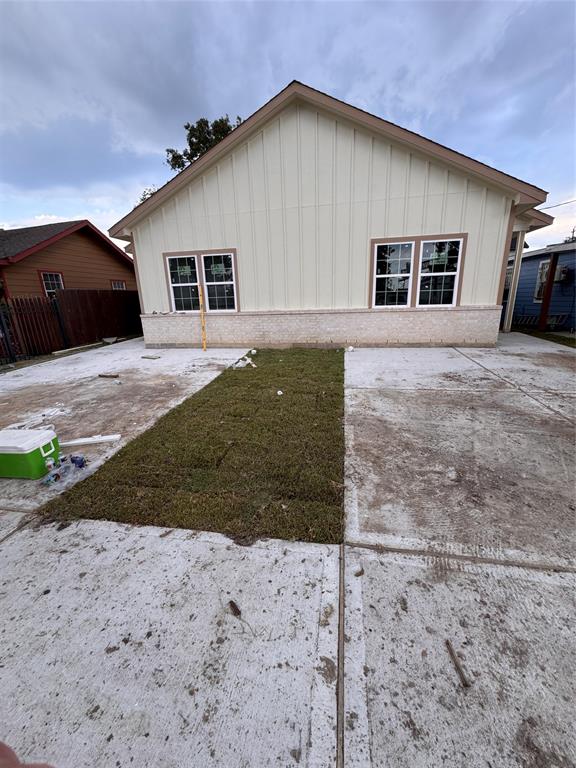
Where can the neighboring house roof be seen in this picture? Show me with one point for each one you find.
(526, 193)
(17, 244)
(554, 248)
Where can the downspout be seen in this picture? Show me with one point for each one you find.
(507, 325)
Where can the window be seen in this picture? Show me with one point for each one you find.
(219, 281)
(392, 274)
(184, 283)
(118, 285)
(52, 281)
(541, 278)
(438, 276)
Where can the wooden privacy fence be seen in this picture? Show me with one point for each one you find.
(37, 325)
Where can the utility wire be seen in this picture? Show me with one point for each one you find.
(557, 205)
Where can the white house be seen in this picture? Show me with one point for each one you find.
(315, 222)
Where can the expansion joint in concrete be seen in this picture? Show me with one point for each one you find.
(474, 559)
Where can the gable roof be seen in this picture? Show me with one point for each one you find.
(297, 91)
(17, 244)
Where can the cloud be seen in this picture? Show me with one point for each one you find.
(93, 92)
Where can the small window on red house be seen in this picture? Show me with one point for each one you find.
(52, 281)
(118, 285)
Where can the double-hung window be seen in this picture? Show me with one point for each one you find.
(184, 283)
(438, 273)
(52, 281)
(219, 281)
(210, 275)
(392, 274)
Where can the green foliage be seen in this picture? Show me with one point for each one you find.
(148, 192)
(200, 136)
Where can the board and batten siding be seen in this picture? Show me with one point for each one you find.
(301, 199)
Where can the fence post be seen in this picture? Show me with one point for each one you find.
(6, 334)
(61, 326)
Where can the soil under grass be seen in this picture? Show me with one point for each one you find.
(236, 457)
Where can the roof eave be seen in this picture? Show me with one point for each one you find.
(523, 192)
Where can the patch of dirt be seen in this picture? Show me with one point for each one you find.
(564, 360)
(535, 756)
(478, 471)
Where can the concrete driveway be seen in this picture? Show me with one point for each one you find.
(460, 526)
(69, 393)
(447, 615)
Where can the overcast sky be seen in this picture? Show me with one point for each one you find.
(92, 93)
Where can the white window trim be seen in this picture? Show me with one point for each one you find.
(540, 265)
(206, 283)
(456, 274)
(52, 290)
(121, 288)
(172, 285)
(400, 274)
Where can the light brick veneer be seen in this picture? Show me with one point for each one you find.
(358, 327)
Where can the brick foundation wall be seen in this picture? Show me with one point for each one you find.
(466, 326)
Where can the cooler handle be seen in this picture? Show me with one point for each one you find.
(45, 450)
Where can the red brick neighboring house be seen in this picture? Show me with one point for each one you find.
(35, 261)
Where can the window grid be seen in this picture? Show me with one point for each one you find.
(118, 285)
(52, 281)
(390, 286)
(219, 279)
(442, 284)
(184, 287)
(212, 273)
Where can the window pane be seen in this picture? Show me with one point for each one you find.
(221, 296)
(441, 256)
(183, 270)
(218, 268)
(391, 291)
(52, 282)
(437, 290)
(186, 298)
(393, 259)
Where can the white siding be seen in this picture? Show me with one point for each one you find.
(301, 200)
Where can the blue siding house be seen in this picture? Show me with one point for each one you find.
(533, 275)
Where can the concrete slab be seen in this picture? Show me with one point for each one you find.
(480, 467)
(68, 393)
(487, 473)
(119, 647)
(416, 368)
(512, 630)
(10, 521)
(532, 364)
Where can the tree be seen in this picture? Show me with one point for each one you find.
(201, 136)
(148, 192)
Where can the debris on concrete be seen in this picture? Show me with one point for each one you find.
(133, 624)
(108, 375)
(244, 362)
(110, 339)
(151, 357)
(90, 440)
(234, 608)
(70, 384)
(456, 661)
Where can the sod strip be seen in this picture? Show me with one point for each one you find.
(236, 457)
